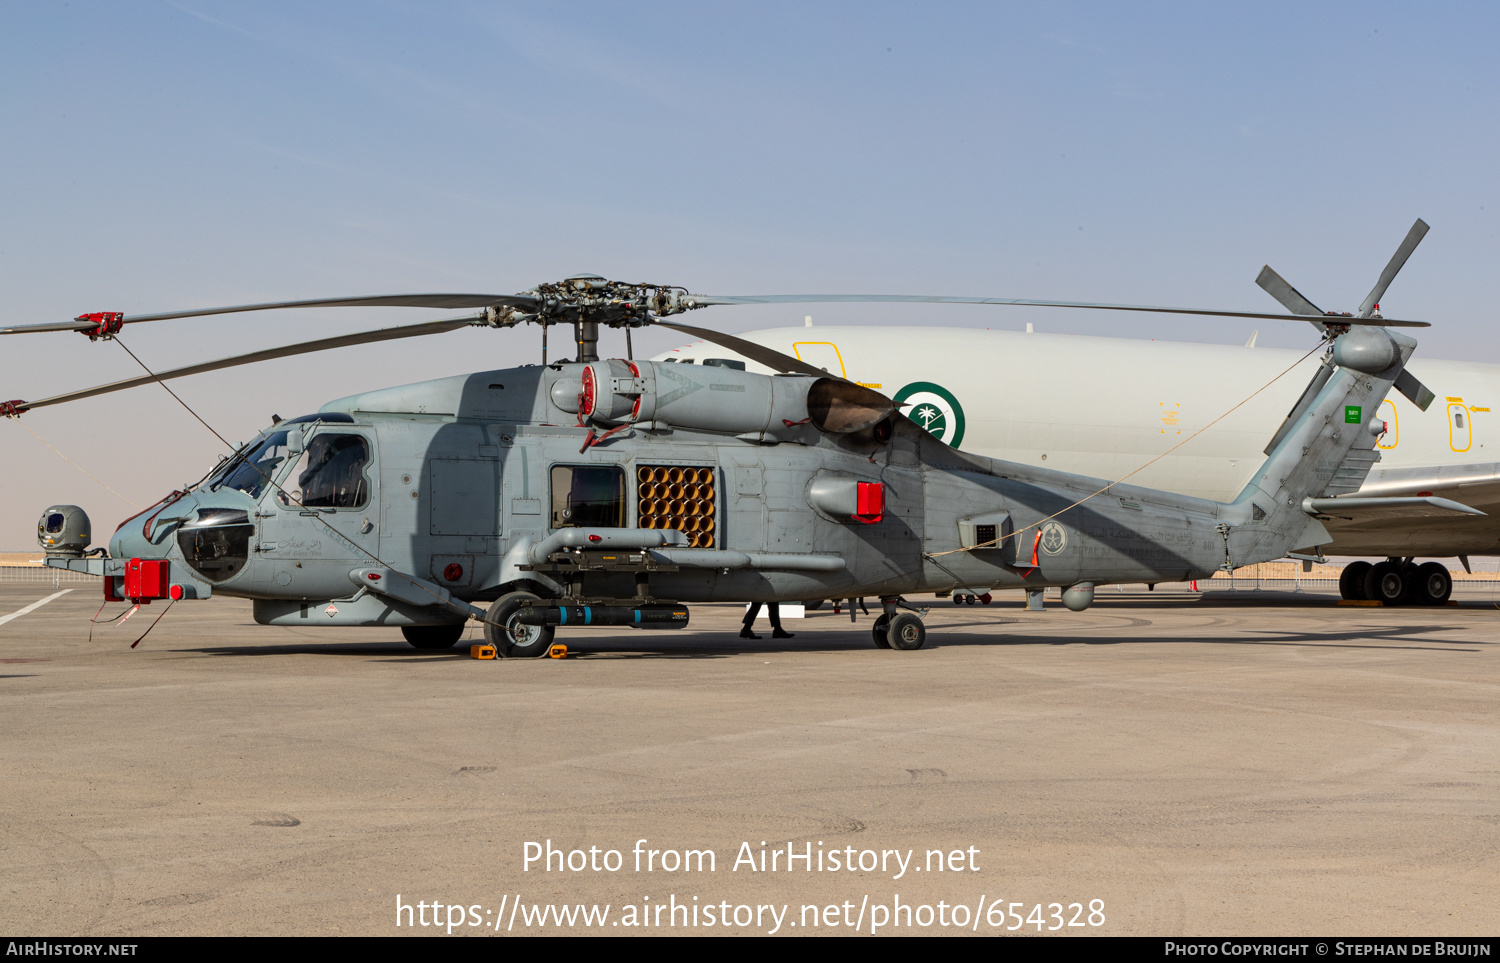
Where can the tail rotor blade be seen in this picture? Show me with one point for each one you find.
(1291, 299)
(1413, 238)
(1415, 392)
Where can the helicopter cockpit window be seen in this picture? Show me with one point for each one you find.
(588, 497)
(252, 470)
(331, 472)
(724, 363)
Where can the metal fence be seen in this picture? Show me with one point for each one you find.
(41, 575)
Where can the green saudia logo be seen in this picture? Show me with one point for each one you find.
(933, 407)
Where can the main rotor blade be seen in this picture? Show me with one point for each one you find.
(436, 301)
(705, 300)
(755, 352)
(1413, 238)
(305, 347)
(1291, 299)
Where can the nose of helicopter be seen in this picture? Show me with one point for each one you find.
(208, 532)
(148, 535)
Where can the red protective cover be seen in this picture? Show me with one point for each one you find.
(145, 579)
(871, 502)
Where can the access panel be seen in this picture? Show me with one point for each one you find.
(464, 496)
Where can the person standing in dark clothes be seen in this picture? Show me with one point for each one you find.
(774, 611)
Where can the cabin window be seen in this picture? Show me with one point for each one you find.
(588, 497)
(725, 363)
(331, 473)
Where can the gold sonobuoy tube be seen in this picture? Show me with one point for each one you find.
(643, 473)
(692, 492)
(648, 521)
(708, 508)
(674, 507)
(648, 507)
(674, 490)
(674, 475)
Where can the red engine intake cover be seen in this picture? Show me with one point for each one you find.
(870, 502)
(590, 394)
(145, 579)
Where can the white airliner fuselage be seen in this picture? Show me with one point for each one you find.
(1112, 407)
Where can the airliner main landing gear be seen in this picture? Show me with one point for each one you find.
(1396, 581)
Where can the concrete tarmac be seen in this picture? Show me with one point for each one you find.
(1256, 764)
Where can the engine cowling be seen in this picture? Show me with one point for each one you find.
(615, 392)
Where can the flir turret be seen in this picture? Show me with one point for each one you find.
(63, 531)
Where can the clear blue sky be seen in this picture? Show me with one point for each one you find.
(161, 155)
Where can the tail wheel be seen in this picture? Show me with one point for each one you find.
(879, 632)
(1352, 581)
(433, 636)
(906, 632)
(1433, 584)
(510, 638)
(1386, 582)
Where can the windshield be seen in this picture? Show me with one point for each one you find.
(251, 470)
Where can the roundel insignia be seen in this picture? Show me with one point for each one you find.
(1054, 538)
(934, 408)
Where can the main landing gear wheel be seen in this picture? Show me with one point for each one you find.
(510, 638)
(433, 636)
(879, 630)
(1433, 584)
(1352, 581)
(1386, 582)
(906, 631)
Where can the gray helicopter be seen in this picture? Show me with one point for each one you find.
(614, 492)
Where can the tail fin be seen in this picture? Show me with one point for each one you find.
(1325, 449)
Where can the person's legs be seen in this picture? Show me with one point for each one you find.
(747, 632)
(777, 632)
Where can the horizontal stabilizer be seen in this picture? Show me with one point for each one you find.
(1366, 509)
